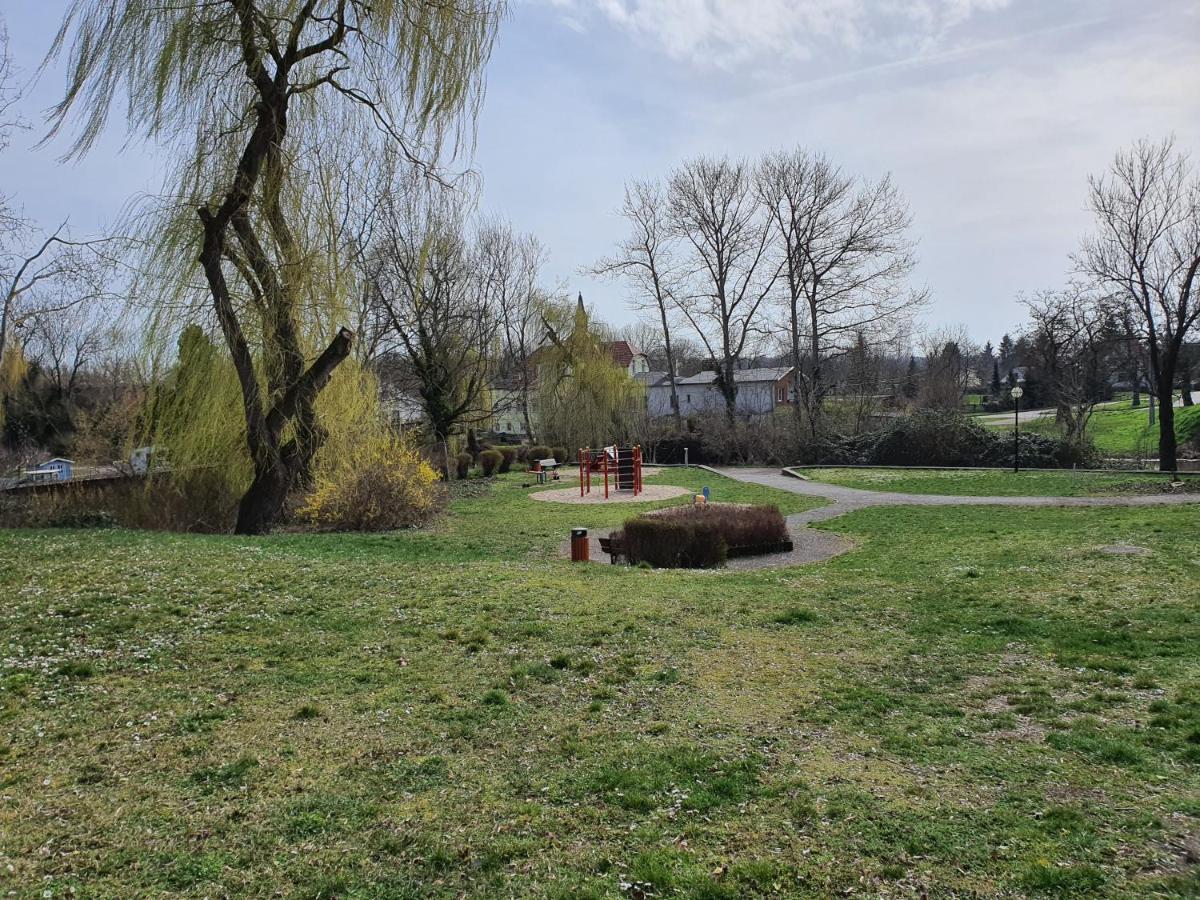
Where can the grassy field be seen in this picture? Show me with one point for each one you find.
(1120, 430)
(972, 702)
(999, 483)
(1113, 430)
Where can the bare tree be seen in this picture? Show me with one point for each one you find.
(1146, 247)
(726, 270)
(260, 83)
(1071, 344)
(343, 216)
(846, 259)
(509, 271)
(66, 342)
(863, 367)
(426, 281)
(647, 258)
(43, 275)
(40, 273)
(948, 352)
(10, 96)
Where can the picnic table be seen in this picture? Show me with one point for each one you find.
(543, 466)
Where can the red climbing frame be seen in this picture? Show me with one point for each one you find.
(624, 462)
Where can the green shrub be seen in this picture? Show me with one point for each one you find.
(489, 460)
(507, 456)
(561, 454)
(463, 463)
(934, 438)
(539, 452)
(948, 438)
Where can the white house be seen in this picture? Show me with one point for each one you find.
(759, 392)
(658, 393)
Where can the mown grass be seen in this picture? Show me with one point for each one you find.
(1119, 429)
(973, 702)
(1001, 483)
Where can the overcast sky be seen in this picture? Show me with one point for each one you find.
(988, 113)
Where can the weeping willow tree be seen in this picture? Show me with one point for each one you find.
(247, 94)
(584, 398)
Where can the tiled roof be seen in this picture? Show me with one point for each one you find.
(622, 352)
(740, 376)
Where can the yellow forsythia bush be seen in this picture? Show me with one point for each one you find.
(382, 484)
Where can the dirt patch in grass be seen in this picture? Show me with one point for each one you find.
(649, 494)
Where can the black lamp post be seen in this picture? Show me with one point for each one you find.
(1017, 393)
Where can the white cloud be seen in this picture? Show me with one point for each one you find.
(731, 33)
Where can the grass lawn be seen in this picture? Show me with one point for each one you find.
(1120, 430)
(998, 482)
(973, 702)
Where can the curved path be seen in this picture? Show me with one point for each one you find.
(846, 499)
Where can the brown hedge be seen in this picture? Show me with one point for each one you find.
(692, 537)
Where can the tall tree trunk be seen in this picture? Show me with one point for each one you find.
(798, 376)
(671, 372)
(528, 420)
(728, 389)
(279, 466)
(815, 390)
(262, 505)
(1167, 450)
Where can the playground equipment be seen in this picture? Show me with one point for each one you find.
(624, 464)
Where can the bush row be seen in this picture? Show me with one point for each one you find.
(939, 438)
(927, 438)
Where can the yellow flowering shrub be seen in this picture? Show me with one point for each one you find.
(379, 484)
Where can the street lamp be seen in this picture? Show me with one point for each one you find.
(1017, 393)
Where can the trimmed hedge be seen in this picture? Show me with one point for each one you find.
(667, 544)
(507, 456)
(699, 537)
(740, 525)
(539, 452)
(489, 460)
(463, 463)
(562, 454)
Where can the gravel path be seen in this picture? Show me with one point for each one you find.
(845, 499)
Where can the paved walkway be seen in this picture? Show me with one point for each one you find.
(845, 499)
(1033, 415)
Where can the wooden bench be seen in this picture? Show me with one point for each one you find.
(614, 547)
